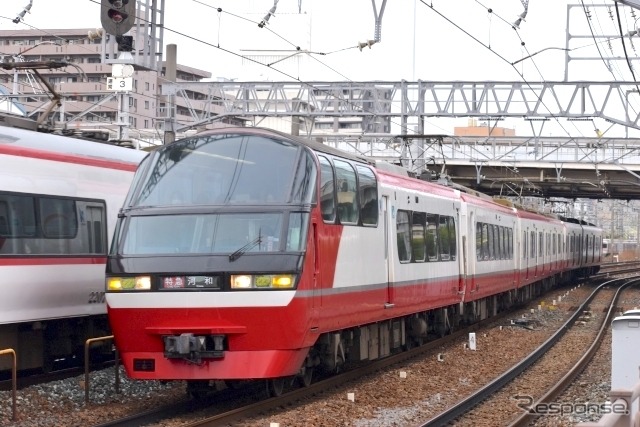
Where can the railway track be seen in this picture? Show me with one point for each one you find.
(467, 411)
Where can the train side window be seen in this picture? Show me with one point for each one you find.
(540, 243)
(503, 252)
(418, 237)
(445, 239)
(403, 236)
(479, 254)
(327, 190)
(452, 237)
(58, 217)
(532, 241)
(347, 192)
(432, 237)
(491, 241)
(486, 243)
(525, 252)
(368, 191)
(96, 230)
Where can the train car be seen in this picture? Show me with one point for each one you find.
(59, 198)
(245, 253)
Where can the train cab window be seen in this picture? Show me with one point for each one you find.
(347, 193)
(368, 192)
(432, 237)
(327, 190)
(445, 239)
(403, 236)
(418, 237)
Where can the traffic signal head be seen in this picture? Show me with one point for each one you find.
(117, 16)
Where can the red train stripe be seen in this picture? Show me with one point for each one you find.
(67, 158)
(52, 261)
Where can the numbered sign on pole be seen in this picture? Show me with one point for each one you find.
(120, 84)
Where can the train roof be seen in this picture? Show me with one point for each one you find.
(315, 146)
(15, 139)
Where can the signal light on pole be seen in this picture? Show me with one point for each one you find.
(117, 16)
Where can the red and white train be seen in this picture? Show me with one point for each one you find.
(59, 199)
(244, 253)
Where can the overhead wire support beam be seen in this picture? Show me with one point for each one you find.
(378, 17)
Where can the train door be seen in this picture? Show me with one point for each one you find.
(463, 258)
(525, 253)
(316, 275)
(472, 248)
(388, 248)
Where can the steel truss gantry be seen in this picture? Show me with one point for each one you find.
(412, 102)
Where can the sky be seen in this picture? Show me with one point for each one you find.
(439, 40)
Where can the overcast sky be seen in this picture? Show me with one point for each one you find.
(442, 51)
(439, 40)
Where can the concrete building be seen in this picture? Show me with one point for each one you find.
(86, 105)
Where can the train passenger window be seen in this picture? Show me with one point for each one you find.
(452, 237)
(403, 236)
(418, 236)
(479, 254)
(368, 191)
(347, 192)
(491, 241)
(445, 239)
(540, 243)
(503, 252)
(58, 217)
(532, 241)
(525, 253)
(432, 237)
(327, 190)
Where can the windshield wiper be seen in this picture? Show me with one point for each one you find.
(252, 244)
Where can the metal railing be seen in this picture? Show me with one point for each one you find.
(14, 380)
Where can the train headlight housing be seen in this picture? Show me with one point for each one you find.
(142, 283)
(263, 281)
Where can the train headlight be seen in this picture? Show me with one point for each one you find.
(129, 283)
(263, 281)
(240, 282)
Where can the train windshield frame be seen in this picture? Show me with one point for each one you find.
(227, 170)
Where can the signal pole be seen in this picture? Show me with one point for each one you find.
(170, 75)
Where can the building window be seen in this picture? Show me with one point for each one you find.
(146, 85)
(146, 104)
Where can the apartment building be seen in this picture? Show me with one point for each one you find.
(86, 104)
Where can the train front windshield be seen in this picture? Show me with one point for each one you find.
(220, 194)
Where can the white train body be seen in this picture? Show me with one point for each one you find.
(59, 198)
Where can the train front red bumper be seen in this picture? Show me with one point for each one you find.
(233, 365)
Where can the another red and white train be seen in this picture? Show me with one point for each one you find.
(244, 253)
(59, 198)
